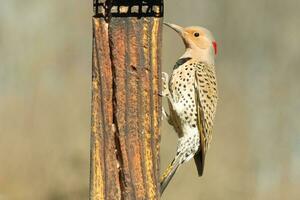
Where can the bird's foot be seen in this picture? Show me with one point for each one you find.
(165, 85)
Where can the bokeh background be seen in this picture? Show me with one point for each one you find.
(45, 78)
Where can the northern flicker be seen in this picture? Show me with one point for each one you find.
(192, 96)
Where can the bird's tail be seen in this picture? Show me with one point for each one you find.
(168, 174)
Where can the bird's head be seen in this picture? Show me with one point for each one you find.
(198, 41)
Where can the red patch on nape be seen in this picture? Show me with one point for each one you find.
(215, 47)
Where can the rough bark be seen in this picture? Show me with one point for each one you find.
(126, 105)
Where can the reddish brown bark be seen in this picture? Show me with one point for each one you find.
(125, 106)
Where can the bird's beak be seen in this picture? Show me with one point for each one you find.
(175, 27)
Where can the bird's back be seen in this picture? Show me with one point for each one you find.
(189, 79)
(194, 92)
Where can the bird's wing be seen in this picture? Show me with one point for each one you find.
(206, 99)
(200, 155)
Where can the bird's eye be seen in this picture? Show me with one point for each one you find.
(196, 34)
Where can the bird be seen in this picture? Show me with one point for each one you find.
(192, 97)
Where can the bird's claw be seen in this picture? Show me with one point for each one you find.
(165, 77)
(165, 82)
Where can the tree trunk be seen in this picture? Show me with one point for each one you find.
(126, 106)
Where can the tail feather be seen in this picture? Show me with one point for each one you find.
(199, 161)
(168, 175)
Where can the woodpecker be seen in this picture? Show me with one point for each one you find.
(192, 95)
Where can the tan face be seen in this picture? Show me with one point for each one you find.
(196, 37)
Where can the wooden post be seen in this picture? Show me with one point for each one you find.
(126, 106)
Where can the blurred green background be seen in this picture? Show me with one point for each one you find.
(45, 81)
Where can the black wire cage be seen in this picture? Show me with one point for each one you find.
(128, 8)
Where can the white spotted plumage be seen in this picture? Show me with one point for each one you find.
(192, 95)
